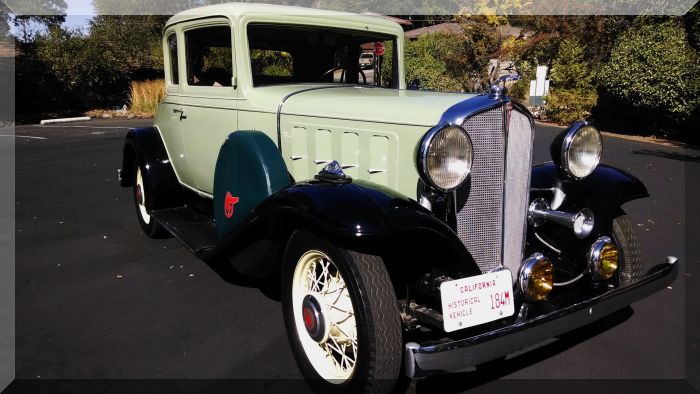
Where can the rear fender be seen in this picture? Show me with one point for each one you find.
(145, 147)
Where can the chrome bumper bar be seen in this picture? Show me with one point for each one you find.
(458, 355)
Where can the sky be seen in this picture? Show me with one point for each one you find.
(78, 15)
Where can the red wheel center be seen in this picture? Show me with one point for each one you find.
(309, 319)
(314, 322)
(139, 195)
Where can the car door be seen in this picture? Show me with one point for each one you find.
(168, 117)
(209, 96)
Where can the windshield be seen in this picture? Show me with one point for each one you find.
(292, 54)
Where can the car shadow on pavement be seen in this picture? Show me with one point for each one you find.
(459, 382)
(269, 286)
(668, 155)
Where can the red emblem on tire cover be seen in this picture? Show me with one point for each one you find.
(229, 202)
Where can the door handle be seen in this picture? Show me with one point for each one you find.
(180, 111)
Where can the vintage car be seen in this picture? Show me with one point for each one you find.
(366, 60)
(408, 230)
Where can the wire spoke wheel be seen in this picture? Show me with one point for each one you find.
(140, 191)
(341, 315)
(332, 348)
(143, 196)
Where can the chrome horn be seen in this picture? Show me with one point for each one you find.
(581, 222)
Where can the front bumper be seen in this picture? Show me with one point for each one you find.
(457, 355)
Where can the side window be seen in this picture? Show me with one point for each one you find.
(209, 56)
(172, 50)
(270, 65)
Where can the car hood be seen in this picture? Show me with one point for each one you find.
(378, 105)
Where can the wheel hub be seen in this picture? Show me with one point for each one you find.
(313, 318)
(139, 195)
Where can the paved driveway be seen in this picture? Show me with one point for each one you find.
(96, 299)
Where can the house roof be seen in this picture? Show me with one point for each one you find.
(455, 28)
(446, 28)
(400, 21)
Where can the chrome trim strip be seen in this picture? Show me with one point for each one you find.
(285, 98)
(459, 112)
(506, 128)
(529, 173)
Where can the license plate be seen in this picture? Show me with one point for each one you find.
(476, 300)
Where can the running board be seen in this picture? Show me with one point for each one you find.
(195, 230)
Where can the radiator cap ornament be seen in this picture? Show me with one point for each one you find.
(496, 92)
(333, 172)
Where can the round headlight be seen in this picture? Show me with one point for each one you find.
(581, 149)
(445, 157)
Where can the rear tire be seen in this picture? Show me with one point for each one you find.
(151, 228)
(319, 280)
(625, 237)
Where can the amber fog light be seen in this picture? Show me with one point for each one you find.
(603, 259)
(536, 277)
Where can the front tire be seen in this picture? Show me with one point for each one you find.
(341, 316)
(151, 228)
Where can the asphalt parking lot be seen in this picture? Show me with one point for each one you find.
(96, 299)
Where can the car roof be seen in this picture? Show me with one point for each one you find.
(236, 10)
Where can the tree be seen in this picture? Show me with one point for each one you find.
(652, 79)
(572, 95)
(26, 24)
(482, 42)
(135, 39)
(691, 20)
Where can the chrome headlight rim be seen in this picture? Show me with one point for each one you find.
(565, 154)
(424, 149)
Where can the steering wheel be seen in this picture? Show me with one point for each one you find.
(334, 69)
(364, 77)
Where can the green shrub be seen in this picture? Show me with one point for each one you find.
(651, 82)
(569, 105)
(571, 94)
(443, 62)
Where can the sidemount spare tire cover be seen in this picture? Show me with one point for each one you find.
(249, 169)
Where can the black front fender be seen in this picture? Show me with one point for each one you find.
(603, 191)
(359, 216)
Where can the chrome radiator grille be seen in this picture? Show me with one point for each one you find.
(492, 204)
